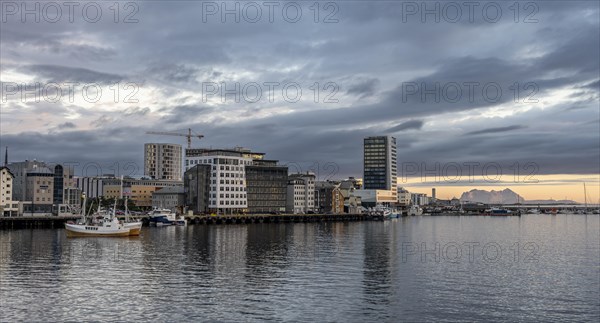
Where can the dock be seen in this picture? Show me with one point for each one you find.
(35, 221)
(277, 218)
(50, 221)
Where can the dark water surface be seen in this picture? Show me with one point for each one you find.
(533, 268)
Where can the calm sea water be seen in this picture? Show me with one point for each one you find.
(533, 268)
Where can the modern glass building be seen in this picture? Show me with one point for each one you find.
(380, 163)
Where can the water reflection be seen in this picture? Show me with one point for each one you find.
(305, 272)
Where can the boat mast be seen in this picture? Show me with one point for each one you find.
(585, 196)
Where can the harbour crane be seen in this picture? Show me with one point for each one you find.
(189, 135)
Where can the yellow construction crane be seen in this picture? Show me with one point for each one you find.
(189, 135)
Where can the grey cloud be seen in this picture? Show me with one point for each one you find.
(66, 125)
(412, 124)
(495, 130)
(61, 74)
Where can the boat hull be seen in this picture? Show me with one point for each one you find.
(76, 230)
(134, 228)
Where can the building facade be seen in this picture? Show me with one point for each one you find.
(172, 198)
(329, 198)
(196, 183)
(19, 171)
(403, 197)
(301, 193)
(139, 191)
(266, 184)
(8, 206)
(163, 161)
(93, 187)
(380, 164)
(228, 190)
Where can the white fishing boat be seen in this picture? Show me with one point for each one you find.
(415, 210)
(106, 226)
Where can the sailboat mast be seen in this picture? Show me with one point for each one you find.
(585, 196)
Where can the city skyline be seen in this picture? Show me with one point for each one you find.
(415, 86)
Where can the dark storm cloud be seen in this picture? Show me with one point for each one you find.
(66, 125)
(363, 88)
(412, 124)
(60, 74)
(495, 130)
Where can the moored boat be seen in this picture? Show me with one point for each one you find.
(106, 226)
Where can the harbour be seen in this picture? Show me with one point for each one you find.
(406, 268)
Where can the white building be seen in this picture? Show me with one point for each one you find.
(419, 199)
(93, 187)
(162, 161)
(301, 193)
(8, 207)
(403, 196)
(228, 190)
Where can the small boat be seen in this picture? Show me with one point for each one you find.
(107, 226)
(415, 210)
(165, 217)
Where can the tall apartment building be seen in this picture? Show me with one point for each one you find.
(266, 184)
(301, 193)
(162, 161)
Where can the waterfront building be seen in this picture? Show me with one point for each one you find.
(228, 190)
(403, 196)
(419, 199)
(380, 164)
(139, 191)
(93, 187)
(162, 161)
(64, 188)
(329, 198)
(266, 184)
(370, 198)
(172, 198)
(196, 183)
(19, 171)
(39, 189)
(301, 193)
(8, 206)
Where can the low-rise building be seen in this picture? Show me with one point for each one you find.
(301, 193)
(370, 198)
(419, 199)
(172, 198)
(329, 198)
(139, 191)
(403, 197)
(93, 187)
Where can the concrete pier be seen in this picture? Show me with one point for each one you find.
(44, 221)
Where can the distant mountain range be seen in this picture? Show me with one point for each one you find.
(506, 196)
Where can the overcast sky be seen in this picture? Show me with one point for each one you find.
(371, 60)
